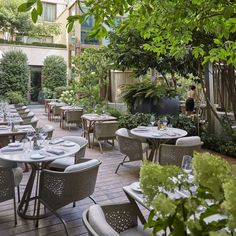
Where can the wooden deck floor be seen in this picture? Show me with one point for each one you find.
(108, 190)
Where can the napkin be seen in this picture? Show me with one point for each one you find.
(12, 149)
(56, 141)
(56, 152)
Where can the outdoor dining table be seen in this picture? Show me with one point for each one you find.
(88, 121)
(64, 109)
(18, 130)
(156, 136)
(38, 160)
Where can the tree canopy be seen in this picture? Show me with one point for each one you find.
(172, 25)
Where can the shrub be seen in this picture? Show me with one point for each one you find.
(14, 73)
(131, 121)
(54, 72)
(59, 90)
(15, 97)
(47, 93)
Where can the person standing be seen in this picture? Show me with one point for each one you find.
(190, 102)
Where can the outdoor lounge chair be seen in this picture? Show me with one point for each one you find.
(190, 140)
(105, 131)
(76, 183)
(113, 220)
(130, 146)
(62, 163)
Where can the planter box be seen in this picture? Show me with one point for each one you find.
(165, 106)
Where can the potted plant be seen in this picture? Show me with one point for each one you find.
(214, 196)
(150, 97)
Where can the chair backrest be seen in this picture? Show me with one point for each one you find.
(24, 113)
(7, 184)
(173, 154)
(73, 116)
(190, 140)
(58, 189)
(82, 142)
(34, 122)
(28, 117)
(56, 110)
(128, 145)
(106, 129)
(102, 220)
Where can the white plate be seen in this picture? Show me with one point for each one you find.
(136, 187)
(37, 156)
(68, 144)
(14, 144)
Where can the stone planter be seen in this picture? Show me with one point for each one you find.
(165, 106)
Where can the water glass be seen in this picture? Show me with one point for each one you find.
(43, 134)
(187, 164)
(30, 136)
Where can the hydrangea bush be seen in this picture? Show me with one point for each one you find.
(215, 194)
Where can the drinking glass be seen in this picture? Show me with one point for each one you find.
(187, 164)
(30, 136)
(43, 134)
(165, 121)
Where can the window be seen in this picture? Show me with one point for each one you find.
(86, 27)
(49, 12)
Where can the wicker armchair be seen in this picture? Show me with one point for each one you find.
(24, 113)
(113, 220)
(56, 112)
(7, 186)
(57, 189)
(173, 154)
(105, 131)
(28, 117)
(130, 146)
(61, 163)
(72, 117)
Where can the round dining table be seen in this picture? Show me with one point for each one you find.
(157, 136)
(38, 160)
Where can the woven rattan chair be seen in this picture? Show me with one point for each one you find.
(173, 154)
(72, 117)
(28, 118)
(113, 220)
(130, 146)
(21, 109)
(7, 186)
(17, 173)
(61, 163)
(56, 112)
(57, 189)
(105, 131)
(24, 113)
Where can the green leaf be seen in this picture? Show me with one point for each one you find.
(70, 26)
(39, 7)
(34, 15)
(25, 7)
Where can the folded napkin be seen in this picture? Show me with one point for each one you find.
(56, 152)
(12, 149)
(56, 141)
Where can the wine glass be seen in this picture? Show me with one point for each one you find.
(187, 164)
(165, 121)
(43, 134)
(30, 136)
(152, 121)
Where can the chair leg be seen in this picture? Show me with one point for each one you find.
(120, 164)
(18, 193)
(14, 202)
(74, 204)
(100, 145)
(26, 168)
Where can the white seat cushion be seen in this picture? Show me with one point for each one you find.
(62, 163)
(98, 222)
(188, 141)
(82, 166)
(137, 231)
